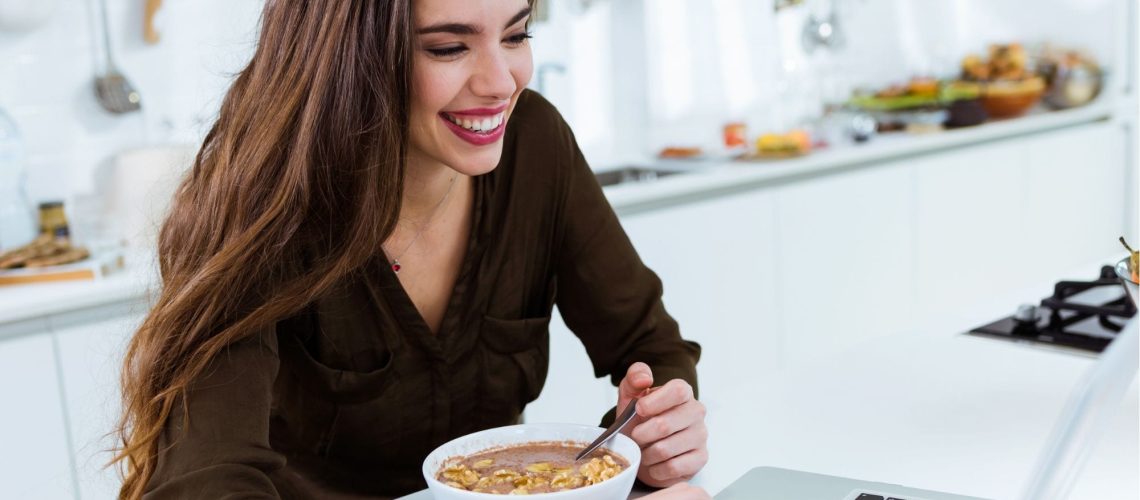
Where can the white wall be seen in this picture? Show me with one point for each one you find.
(47, 83)
(704, 61)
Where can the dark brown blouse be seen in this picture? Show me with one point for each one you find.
(346, 399)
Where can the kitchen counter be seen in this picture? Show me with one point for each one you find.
(935, 410)
(26, 308)
(705, 179)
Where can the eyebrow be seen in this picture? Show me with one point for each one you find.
(469, 29)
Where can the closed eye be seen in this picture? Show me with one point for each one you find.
(519, 38)
(447, 51)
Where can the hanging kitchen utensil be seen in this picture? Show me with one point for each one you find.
(822, 32)
(112, 89)
(150, 34)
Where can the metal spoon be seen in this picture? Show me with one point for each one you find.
(619, 423)
(112, 89)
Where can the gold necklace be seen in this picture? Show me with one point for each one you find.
(396, 261)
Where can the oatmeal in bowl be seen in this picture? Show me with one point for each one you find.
(535, 460)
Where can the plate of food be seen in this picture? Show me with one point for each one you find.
(535, 460)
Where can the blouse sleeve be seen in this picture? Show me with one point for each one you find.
(222, 451)
(606, 295)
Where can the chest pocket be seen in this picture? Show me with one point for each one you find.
(343, 368)
(516, 356)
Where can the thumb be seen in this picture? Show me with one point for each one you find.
(637, 379)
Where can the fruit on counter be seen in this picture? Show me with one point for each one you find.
(679, 152)
(1006, 85)
(1004, 62)
(45, 250)
(1133, 261)
(926, 87)
(918, 86)
(794, 142)
(918, 93)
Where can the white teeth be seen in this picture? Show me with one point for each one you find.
(477, 125)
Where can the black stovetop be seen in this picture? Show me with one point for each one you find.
(1083, 315)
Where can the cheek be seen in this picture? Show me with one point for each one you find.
(522, 67)
(433, 87)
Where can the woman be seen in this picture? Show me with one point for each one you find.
(363, 262)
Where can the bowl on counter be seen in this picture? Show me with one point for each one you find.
(1010, 98)
(617, 487)
(1128, 278)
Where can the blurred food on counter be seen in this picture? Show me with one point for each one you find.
(1011, 98)
(677, 152)
(1007, 85)
(52, 256)
(786, 145)
(46, 250)
(1004, 62)
(47, 259)
(966, 113)
(921, 105)
(735, 135)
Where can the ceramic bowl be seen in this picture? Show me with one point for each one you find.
(616, 488)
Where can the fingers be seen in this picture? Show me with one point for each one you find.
(674, 393)
(664, 425)
(678, 468)
(638, 378)
(678, 444)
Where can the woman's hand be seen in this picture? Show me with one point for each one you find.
(679, 491)
(669, 427)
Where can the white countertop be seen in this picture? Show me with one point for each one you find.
(19, 303)
(933, 408)
(945, 412)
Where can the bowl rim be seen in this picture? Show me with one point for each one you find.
(634, 461)
(1123, 270)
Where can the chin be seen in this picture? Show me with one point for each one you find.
(477, 164)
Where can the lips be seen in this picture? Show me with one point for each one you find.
(478, 127)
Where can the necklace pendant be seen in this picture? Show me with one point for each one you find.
(396, 266)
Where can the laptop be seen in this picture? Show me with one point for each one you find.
(1093, 401)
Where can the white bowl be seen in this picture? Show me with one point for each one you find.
(617, 487)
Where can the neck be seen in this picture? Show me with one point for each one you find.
(425, 184)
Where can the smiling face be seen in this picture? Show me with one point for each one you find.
(472, 61)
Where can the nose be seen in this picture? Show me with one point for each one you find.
(493, 77)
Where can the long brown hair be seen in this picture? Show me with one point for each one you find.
(296, 185)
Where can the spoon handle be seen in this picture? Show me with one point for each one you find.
(619, 423)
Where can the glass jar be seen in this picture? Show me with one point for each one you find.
(17, 220)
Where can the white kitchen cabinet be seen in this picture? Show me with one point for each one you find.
(571, 393)
(91, 355)
(971, 228)
(717, 262)
(1074, 198)
(845, 248)
(33, 442)
(715, 259)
